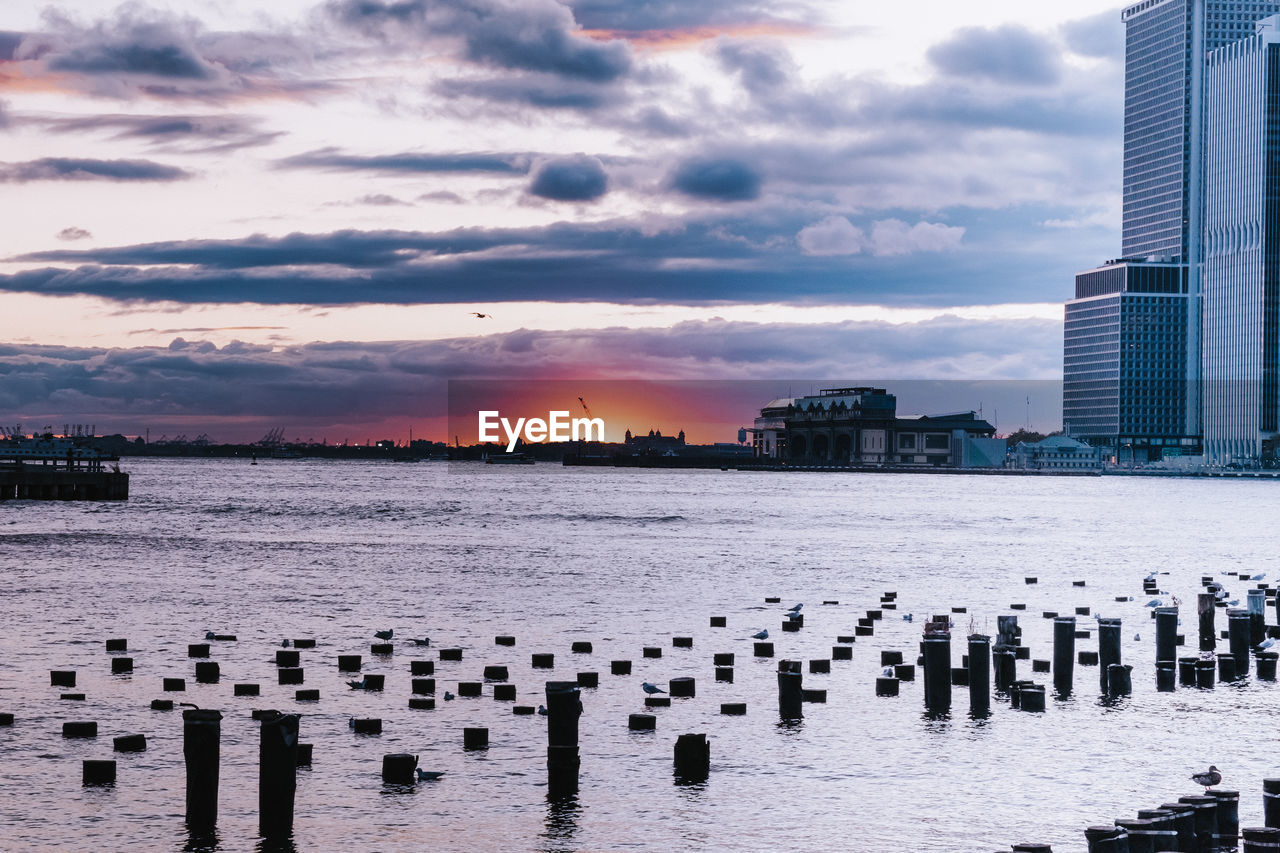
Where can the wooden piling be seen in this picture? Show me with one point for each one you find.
(201, 738)
(937, 672)
(790, 690)
(1064, 654)
(1108, 649)
(1238, 630)
(692, 758)
(979, 675)
(1166, 633)
(277, 774)
(1206, 606)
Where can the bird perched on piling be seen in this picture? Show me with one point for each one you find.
(1265, 644)
(384, 635)
(651, 688)
(795, 609)
(428, 775)
(761, 635)
(1155, 602)
(425, 641)
(1209, 778)
(1258, 576)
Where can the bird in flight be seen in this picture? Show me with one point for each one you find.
(482, 316)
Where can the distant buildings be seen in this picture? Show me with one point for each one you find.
(1056, 453)
(860, 426)
(654, 442)
(1179, 305)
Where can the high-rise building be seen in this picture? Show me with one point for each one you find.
(1241, 270)
(1166, 45)
(1124, 360)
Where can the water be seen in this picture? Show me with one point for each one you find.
(624, 558)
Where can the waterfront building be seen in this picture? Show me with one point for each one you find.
(1241, 357)
(1056, 453)
(860, 426)
(654, 442)
(1124, 361)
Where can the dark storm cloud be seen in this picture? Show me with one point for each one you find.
(140, 50)
(1008, 54)
(189, 133)
(640, 15)
(84, 169)
(717, 179)
(539, 91)
(579, 178)
(1100, 35)
(408, 162)
(334, 380)
(537, 35)
(9, 42)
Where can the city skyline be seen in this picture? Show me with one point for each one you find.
(235, 220)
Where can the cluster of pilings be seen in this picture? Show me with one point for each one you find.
(281, 752)
(1200, 823)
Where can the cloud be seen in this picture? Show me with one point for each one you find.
(653, 15)
(762, 67)
(577, 178)
(542, 91)
(836, 235)
(320, 382)
(185, 133)
(83, 169)
(73, 233)
(443, 196)
(534, 35)
(138, 50)
(1009, 54)
(333, 159)
(1100, 35)
(717, 179)
(382, 200)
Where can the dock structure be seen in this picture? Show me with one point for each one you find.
(46, 468)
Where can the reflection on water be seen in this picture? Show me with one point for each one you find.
(625, 559)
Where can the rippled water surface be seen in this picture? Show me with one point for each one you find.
(626, 559)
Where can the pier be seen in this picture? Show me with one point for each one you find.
(58, 469)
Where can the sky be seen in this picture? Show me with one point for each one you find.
(226, 216)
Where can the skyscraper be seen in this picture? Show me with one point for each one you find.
(1241, 396)
(1166, 45)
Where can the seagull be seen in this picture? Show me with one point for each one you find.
(428, 775)
(887, 672)
(761, 635)
(1265, 644)
(448, 697)
(1151, 576)
(356, 685)
(1258, 576)
(384, 635)
(351, 722)
(542, 710)
(1233, 602)
(284, 644)
(795, 609)
(1155, 602)
(1208, 779)
(209, 635)
(794, 615)
(651, 688)
(482, 316)
(906, 617)
(425, 641)
(1137, 637)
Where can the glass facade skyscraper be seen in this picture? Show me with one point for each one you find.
(1241, 398)
(1110, 395)
(1124, 360)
